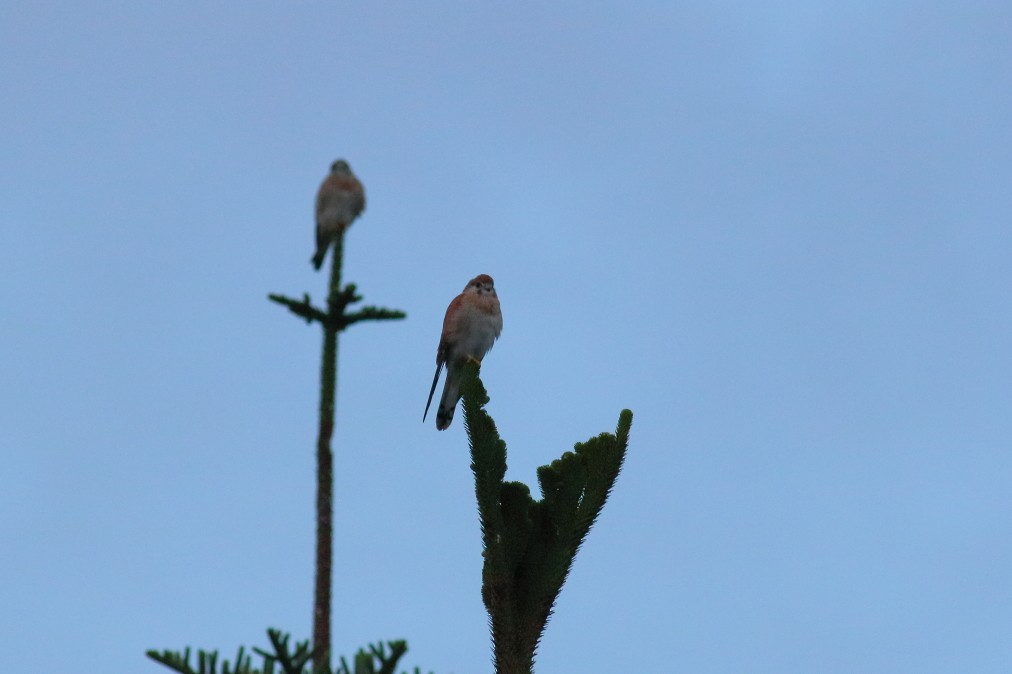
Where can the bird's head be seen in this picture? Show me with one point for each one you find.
(482, 284)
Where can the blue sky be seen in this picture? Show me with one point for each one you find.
(778, 232)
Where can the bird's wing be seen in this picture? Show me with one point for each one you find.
(439, 368)
(357, 197)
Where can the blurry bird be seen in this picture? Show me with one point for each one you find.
(338, 203)
(473, 322)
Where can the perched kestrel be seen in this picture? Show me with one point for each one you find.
(473, 322)
(338, 203)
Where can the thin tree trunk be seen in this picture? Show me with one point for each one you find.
(325, 476)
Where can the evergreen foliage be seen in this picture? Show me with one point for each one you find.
(284, 661)
(529, 545)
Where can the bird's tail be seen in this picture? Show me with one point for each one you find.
(448, 403)
(321, 252)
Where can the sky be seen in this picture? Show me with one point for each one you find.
(778, 232)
